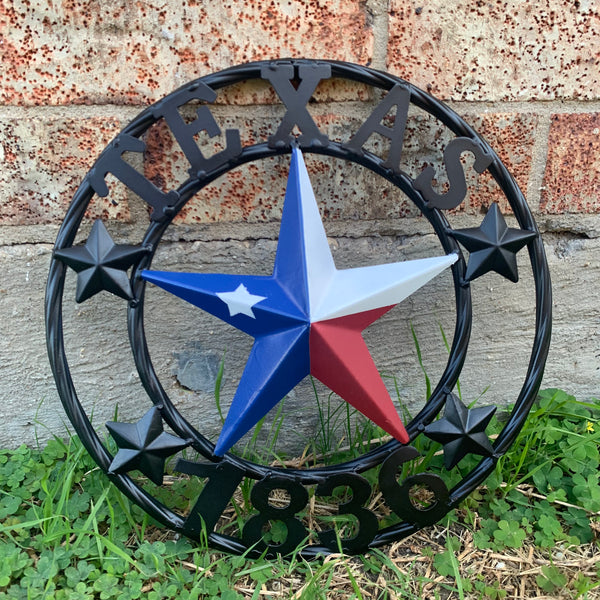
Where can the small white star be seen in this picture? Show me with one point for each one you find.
(240, 301)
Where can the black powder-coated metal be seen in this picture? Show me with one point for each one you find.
(144, 446)
(295, 81)
(461, 431)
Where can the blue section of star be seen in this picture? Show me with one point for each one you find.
(277, 311)
(274, 310)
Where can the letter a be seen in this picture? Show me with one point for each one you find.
(398, 96)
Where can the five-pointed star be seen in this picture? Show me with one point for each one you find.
(461, 431)
(310, 317)
(240, 301)
(101, 264)
(144, 446)
(493, 246)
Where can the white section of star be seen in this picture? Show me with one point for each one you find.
(240, 301)
(338, 293)
(319, 261)
(357, 290)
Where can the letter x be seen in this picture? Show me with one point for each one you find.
(295, 100)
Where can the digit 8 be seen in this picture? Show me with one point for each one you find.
(252, 534)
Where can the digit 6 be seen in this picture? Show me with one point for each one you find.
(397, 497)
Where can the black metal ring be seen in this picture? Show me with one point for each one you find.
(372, 162)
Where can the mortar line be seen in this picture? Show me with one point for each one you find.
(531, 106)
(462, 107)
(539, 160)
(576, 224)
(381, 24)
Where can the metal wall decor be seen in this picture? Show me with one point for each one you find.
(306, 318)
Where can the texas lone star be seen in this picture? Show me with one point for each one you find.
(306, 318)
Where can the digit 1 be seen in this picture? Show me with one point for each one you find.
(223, 480)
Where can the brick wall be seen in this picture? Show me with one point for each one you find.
(525, 74)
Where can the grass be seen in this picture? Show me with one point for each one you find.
(532, 531)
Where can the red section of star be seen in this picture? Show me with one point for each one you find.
(340, 359)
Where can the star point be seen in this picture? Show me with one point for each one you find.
(341, 360)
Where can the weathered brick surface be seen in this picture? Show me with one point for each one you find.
(255, 192)
(43, 162)
(84, 52)
(501, 50)
(511, 135)
(572, 178)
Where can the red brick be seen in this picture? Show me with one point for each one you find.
(131, 53)
(501, 50)
(254, 192)
(571, 180)
(44, 161)
(511, 136)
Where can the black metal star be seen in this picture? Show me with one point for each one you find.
(101, 264)
(461, 431)
(493, 246)
(144, 446)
